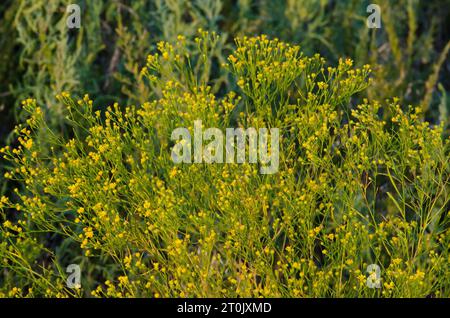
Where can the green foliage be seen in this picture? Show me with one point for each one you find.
(40, 58)
(353, 189)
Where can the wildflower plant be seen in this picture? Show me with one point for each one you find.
(357, 185)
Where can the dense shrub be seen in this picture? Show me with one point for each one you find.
(358, 184)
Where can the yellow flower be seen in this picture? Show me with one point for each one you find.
(29, 144)
(123, 280)
(232, 58)
(173, 172)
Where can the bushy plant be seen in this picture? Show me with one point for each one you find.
(39, 55)
(357, 185)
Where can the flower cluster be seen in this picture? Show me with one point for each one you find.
(357, 185)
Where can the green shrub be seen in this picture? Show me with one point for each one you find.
(357, 185)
